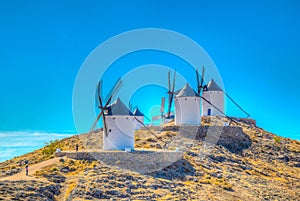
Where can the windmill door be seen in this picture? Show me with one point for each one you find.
(208, 112)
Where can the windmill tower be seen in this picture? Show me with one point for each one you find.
(118, 121)
(213, 98)
(214, 106)
(187, 106)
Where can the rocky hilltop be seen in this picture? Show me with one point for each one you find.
(236, 162)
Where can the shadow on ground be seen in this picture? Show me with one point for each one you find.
(232, 138)
(178, 170)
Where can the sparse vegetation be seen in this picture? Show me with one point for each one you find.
(50, 148)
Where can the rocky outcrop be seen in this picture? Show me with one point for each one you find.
(231, 137)
(142, 161)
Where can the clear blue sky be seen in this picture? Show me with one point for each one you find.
(254, 44)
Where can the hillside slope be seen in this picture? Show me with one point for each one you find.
(247, 163)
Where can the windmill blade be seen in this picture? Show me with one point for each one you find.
(116, 88)
(162, 107)
(105, 126)
(170, 104)
(202, 77)
(169, 80)
(173, 86)
(155, 118)
(147, 118)
(248, 115)
(171, 95)
(96, 121)
(99, 91)
(198, 82)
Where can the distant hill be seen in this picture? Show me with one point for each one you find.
(247, 163)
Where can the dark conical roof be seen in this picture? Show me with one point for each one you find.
(137, 112)
(118, 108)
(186, 91)
(212, 86)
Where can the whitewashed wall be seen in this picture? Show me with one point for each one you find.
(187, 110)
(120, 131)
(138, 125)
(217, 99)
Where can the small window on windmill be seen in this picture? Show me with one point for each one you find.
(185, 98)
(109, 130)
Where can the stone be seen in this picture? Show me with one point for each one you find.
(65, 170)
(113, 192)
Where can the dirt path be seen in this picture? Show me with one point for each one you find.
(32, 169)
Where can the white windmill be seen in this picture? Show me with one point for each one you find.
(118, 121)
(213, 99)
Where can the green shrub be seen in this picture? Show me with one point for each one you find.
(277, 139)
(50, 148)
